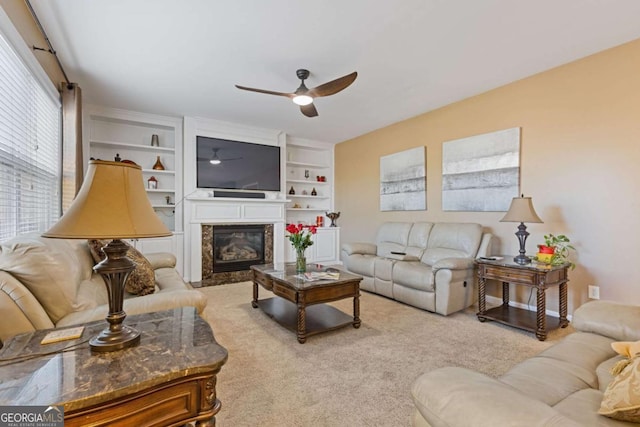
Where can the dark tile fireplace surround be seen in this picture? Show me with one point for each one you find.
(228, 250)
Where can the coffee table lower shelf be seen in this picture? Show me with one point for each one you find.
(518, 318)
(319, 317)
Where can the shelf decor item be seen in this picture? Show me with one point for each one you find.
(158, 164)
(292, 191)
(300, 238)
(152, 183)
(111, 204)
(333, 216)
(521, 210)
(154, 141)
(314, 192)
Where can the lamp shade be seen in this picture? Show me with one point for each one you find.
(521, 210)
(111, 204)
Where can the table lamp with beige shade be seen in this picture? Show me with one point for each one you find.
(521, 210)
(112, 204)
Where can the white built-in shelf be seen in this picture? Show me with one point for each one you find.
(306, 209)
(160, 190)
(307, 165)
(159, 171)
(163, 206)
(307, 181)
(307, 196)
(113, 144)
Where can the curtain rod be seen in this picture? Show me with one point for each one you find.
(51, 50)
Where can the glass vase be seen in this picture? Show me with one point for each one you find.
(301, 262)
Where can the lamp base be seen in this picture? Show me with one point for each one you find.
(522, 260)
(115, 270)
(109, 340)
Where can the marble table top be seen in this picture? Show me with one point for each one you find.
(174, 344)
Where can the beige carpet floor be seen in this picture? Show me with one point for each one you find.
(348, 377)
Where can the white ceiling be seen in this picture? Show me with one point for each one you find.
(183, 57)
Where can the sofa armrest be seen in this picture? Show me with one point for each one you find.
(453, 264)
(19, 309)
(359, 248)
(452, 397)
(161, 260)
(142, 304)
(610, 319)
(485, 245)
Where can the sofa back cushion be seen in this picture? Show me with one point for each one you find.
(52, 269)
(457, 240)
(392, 237)
(418, 238)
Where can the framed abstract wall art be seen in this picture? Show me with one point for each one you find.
(403, 181)
(481, 173)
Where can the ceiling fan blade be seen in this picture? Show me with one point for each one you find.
(309, 110)
(268, 92)
(333, 86)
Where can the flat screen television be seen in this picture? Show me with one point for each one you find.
(237, 165)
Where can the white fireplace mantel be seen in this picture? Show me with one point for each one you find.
(214, 210)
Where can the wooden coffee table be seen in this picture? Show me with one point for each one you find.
(300, 304)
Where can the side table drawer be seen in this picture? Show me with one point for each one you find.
(508, 274)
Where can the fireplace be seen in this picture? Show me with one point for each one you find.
(229, 250)
(237, 247)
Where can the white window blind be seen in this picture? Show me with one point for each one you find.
(30, 147)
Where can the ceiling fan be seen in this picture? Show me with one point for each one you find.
(215, 159)
(304, 97)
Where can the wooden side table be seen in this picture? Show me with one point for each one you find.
(169, 379)
(536, 276)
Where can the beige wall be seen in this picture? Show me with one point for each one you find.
(580, 159)
(19, 14)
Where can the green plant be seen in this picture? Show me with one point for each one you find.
(562, 246)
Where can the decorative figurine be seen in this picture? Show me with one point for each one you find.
(314, 192)
(158, 164)
(154, 141)
(292, 191)
(152, 183)
(333, 216)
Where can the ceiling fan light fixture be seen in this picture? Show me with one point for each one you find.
(215, 161)
(302, 99)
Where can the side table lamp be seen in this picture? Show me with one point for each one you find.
(521, 210)
(111, 204)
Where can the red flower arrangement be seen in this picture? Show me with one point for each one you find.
(300, 236)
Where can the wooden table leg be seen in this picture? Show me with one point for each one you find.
(563, 305)
(356, 311)
(541, 316)
(505, 294)
(482, 293)
(254, 303)
(302, 326)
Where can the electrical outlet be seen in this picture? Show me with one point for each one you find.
(594, 292)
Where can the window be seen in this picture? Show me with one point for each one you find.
(30, 146)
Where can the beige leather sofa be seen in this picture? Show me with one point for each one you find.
(427, 265)
(47, 283)
(562, 386)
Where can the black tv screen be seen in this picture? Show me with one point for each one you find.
(240, 165)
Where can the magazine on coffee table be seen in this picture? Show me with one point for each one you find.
(312, 276)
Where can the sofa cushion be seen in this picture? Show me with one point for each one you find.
(413, 274)
(433, 255)
(418, 238)
(621, 399)
(461, 237)
(392, 237)
(142, 280)
(51, 269)
(361, 264)
(582, 407)
(615, 320)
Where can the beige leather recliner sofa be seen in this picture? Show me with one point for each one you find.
(563, 386)
(48, 283)
(427, 265)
